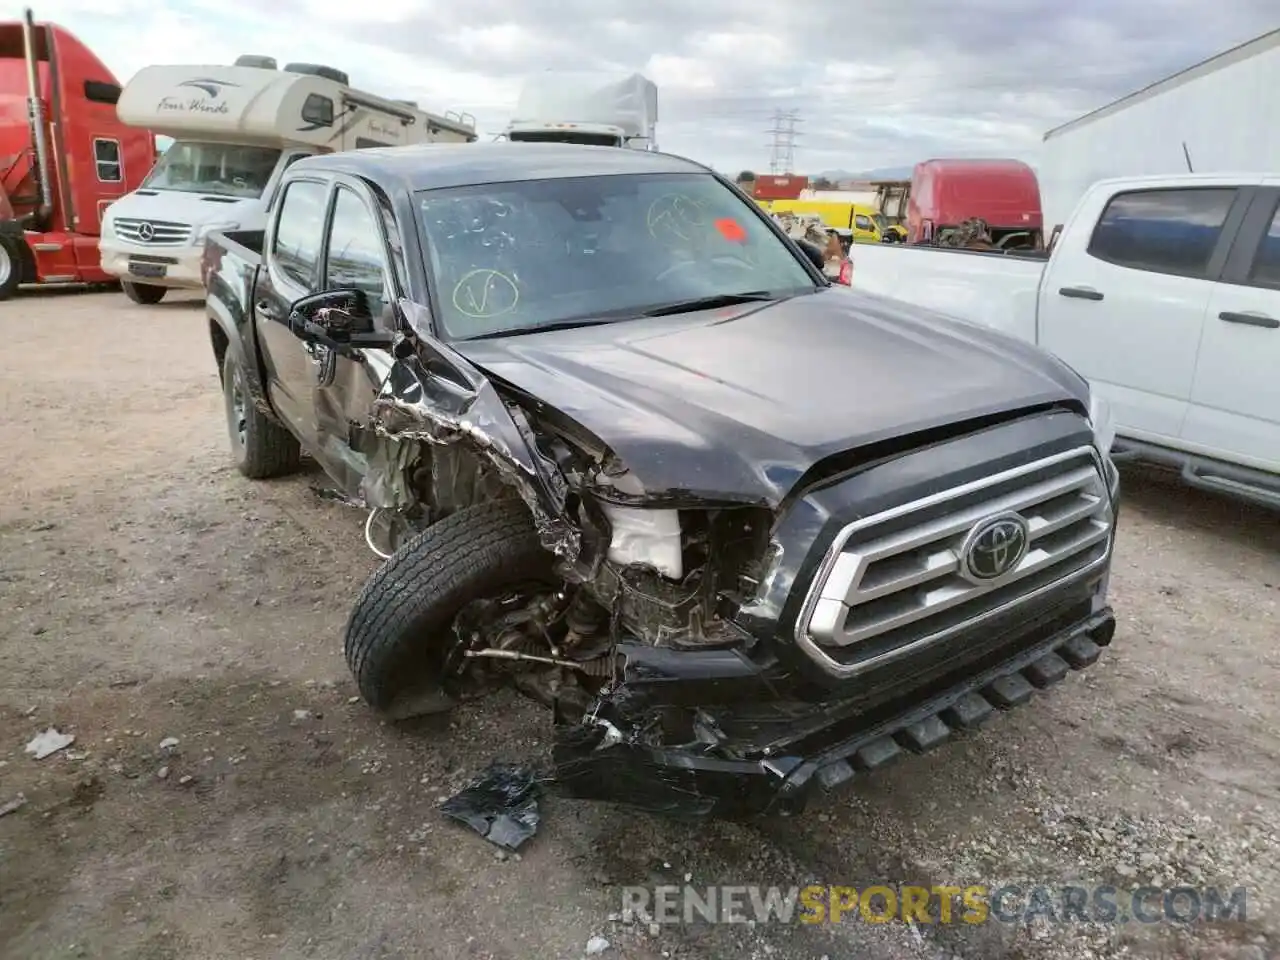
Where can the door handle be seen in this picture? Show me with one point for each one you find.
(1251, 319)
(1080, 293)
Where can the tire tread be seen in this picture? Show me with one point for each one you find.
(430, 578)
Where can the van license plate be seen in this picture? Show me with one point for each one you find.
(148, 269)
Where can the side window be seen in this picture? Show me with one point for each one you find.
(355, 253)
(317, 111)
(1266, 261)
(106, 158)
(1162, 231)
(295, 250)
(861, 222)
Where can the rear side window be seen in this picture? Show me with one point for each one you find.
(1163, 231)
(300, 230)
(1266, 262)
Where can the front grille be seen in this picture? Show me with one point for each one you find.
(152, 233)
(910, 576)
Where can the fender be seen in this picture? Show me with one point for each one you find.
(228, 303)
(433, 394)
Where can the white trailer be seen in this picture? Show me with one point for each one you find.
(235, 129)
(1218, 116)
(587, 107)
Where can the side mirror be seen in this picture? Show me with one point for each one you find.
(336, 319)
(817, 256)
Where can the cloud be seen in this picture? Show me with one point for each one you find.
(877, 83)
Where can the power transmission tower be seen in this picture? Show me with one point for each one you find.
(782, 158)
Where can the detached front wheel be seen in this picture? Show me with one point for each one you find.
(260, 447)
(401, 644)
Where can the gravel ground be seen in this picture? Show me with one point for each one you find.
(150, 594)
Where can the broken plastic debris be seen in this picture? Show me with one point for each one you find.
(597, 945)
(168, 743)
(13, 806)
(501, 805)
(49, 742)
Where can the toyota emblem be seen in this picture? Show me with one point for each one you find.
(146, 232)
(995, 546)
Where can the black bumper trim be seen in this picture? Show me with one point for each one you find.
(682, 783)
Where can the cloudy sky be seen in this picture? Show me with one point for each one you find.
(878, 83)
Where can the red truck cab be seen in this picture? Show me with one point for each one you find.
(64, 155)
(1004, 193)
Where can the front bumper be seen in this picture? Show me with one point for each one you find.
(160, 266)
(752, 730)
(595, 759)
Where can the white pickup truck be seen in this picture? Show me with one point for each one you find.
(1163, 292)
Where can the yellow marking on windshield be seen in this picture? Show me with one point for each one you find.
(485, 293)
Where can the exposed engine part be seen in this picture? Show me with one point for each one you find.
(368, 534)
(517, 655)
(385, 531)
(586, 620)
(722, 560)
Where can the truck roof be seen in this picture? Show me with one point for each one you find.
(432, 166)
(1243, 51)
(252, 104)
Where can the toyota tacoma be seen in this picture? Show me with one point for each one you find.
(622, 445)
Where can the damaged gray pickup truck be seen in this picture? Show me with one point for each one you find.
(624, 447)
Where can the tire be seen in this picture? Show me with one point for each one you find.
(399, 635)
(143, 293)
(260, 447)
(13, 259)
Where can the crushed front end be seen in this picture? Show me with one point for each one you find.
(903, 594)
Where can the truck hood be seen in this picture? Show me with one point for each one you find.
(736, 404)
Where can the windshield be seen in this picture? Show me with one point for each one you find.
(225, 169)
(881, 222)
(514, 256)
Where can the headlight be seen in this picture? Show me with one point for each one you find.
(208, 228)
(1104, 427)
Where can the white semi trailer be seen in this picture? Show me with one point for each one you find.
(586, 107)
(1220, 116)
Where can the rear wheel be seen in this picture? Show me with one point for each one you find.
(13, 255)
(261, 447)
(144, 293)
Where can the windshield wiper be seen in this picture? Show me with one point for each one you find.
(544, 327)
(710, 303)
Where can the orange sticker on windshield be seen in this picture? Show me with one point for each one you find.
(731, 230)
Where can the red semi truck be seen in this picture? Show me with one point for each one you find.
(64, 155)
(1004, 193)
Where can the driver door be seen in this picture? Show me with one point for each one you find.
(355, 255)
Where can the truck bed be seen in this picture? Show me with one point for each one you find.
(997, 290)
